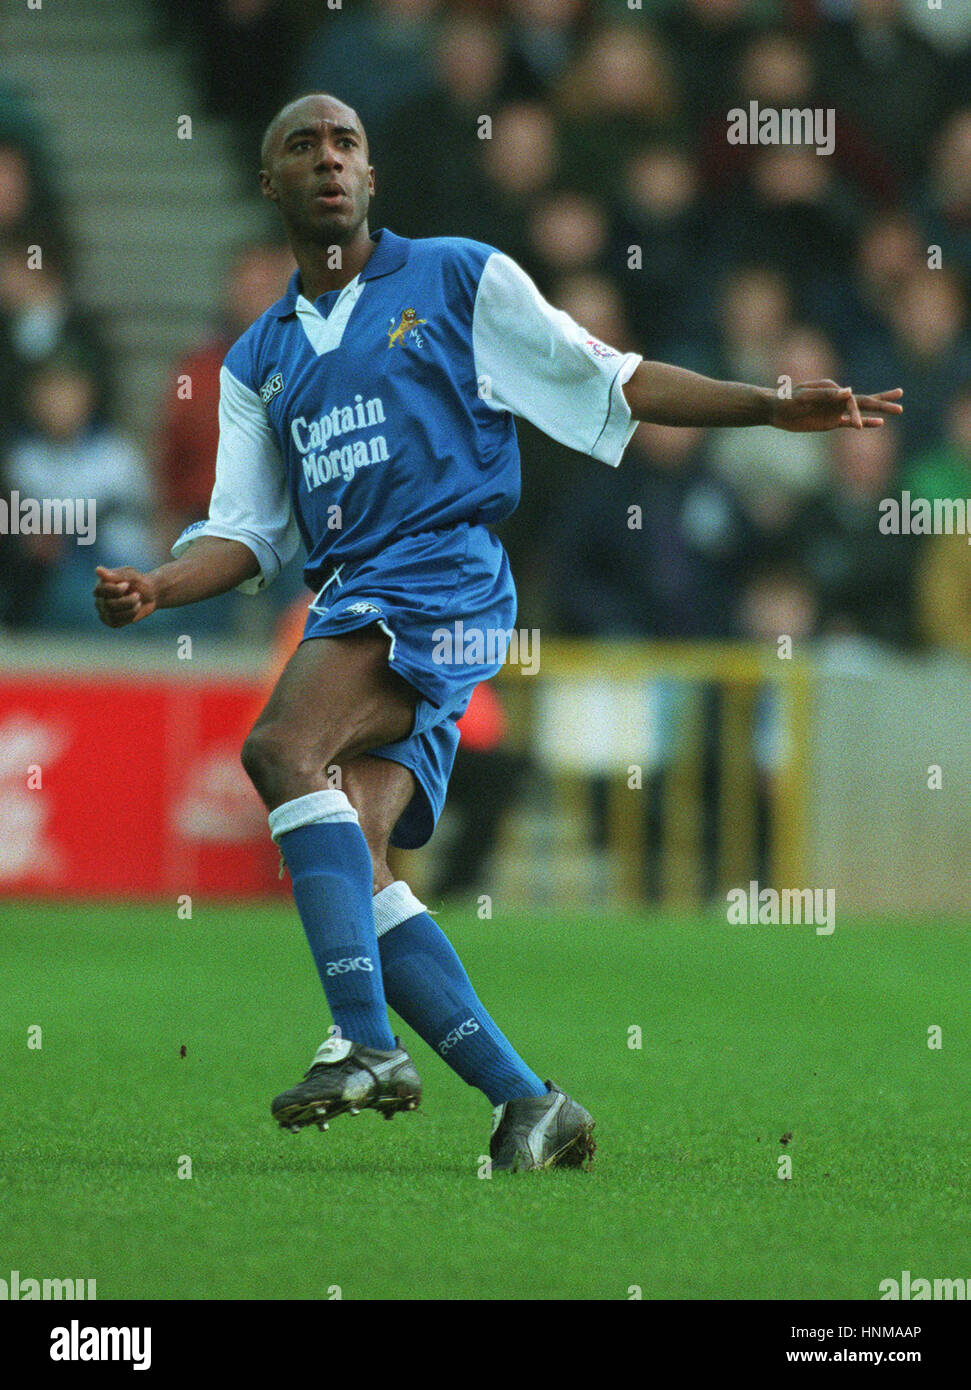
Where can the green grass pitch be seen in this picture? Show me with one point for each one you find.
(748, 1033)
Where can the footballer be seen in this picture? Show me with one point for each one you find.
(369, 413)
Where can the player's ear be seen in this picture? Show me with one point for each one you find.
(266, 186)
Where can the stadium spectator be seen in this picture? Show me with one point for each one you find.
(873, 65)
(594, 300)
(544, 38)
(549, 470)
(754, 312)
(855, 307)
(944, 204)
(777, 70)
(67, 452)
(518, 165)
(862, 577)
(621, 92)
(928, 352)
(38, 321)
(666, 225)
(378, 58)
(28, 211)
(659, 550)
(434, 197)
(669, 568)
(245, 57)
(945, 471)
(707, 38)
(257, 276)
(791, 212)
(785, 204)
(568, 231)
(772, 482)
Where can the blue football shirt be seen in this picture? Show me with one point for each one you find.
(386, 408)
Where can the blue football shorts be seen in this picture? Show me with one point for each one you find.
(447, 601)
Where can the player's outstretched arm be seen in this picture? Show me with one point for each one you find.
(210, 566)
(667, 395)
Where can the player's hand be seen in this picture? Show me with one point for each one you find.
(123, 596)
(822, 405)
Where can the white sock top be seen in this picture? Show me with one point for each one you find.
(313, 809)
(394, 905)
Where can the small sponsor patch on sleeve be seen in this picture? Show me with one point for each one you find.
(271, 387)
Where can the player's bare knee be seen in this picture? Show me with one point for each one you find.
(281, 765)
(259, 764)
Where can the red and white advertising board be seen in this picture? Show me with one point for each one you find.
(120, 787)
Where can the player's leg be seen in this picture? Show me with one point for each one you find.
(335, 696)
(379, 790)
(424, 980)
(536, 1124)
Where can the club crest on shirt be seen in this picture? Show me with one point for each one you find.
(408, 323)
(271, 387)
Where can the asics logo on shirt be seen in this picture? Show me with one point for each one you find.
(271, 387)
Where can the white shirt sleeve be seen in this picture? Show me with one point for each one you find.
(250, 501)
(534, 360)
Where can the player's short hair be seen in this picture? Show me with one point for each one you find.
(271, 128)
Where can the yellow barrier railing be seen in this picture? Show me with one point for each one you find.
(723, 795)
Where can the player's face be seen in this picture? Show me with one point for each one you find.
(317, 171)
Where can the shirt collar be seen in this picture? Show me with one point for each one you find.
(389, 254)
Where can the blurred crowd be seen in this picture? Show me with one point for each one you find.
(603, 167)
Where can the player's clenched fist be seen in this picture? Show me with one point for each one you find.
(123, 596)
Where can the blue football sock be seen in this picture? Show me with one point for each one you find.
(426, 984)
(330, 869)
